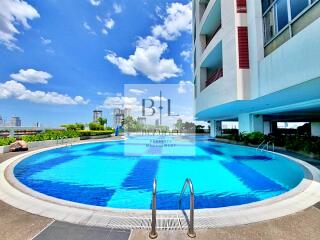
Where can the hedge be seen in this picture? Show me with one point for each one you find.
(6, 141)
(290, 142)
(95, 133)
(51, 135)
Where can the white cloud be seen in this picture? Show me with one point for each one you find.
(45, 41)
(159, 12)
(88, 28)
(117, 8)
(95, 2)
(98, 18)
(147, 60)
(120, 102)
(108, 94)
(13, 89)
(31, 76)
(157, 98)
(178, 20)
(109, 23)
(185, 86)
(50, 51)
(186, 54)
(138, 91)
(104, 31)
(12, 13)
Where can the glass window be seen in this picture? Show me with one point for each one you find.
(266, 4)
(282, 14)
(297, 6)
(269, 27)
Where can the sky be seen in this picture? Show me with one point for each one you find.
(61, 59)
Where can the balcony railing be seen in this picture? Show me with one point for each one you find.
(209, 38)
(214, 76)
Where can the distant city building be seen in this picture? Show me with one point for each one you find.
(97, 114)
(37, 124)
(142, 120)
(157, 122)
(1, 121)
(119, 115)
(15, 122)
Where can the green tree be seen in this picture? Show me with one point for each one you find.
(102, 121)
(179, 124)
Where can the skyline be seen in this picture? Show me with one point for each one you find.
(65, 60)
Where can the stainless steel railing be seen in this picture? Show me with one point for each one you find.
(191, 233)
(153, 233)
(265, 145)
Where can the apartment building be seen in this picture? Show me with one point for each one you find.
(257, 62)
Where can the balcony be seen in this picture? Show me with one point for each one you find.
(211, 18)
(203, 6)
(210, 37)
(214, 76)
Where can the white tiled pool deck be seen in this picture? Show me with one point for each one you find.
(306, 194)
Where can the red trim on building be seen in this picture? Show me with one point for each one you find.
(241, 6)
(243, 48)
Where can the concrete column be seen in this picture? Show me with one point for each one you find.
(250, 123)
(274, 127)
(215, 128)
(315, 129)
(267, 127)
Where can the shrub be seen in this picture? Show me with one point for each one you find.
(51, 135)
(7, 141)
(95, 126)
(73, 127)
(95, 133)
(254, 138)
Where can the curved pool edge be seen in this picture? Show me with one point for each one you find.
(306, 194)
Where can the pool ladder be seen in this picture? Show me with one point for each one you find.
(187, 183)
(265, 145)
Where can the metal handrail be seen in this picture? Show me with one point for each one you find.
(188, 182)
(153, 233)
(260, 144)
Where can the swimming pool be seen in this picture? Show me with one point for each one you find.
(120, 174)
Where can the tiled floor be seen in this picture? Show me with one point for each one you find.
(300, 226)
(67, 231)
(19, 225)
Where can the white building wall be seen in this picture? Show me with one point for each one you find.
(296, 61)
(256, 46)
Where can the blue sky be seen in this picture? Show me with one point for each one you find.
(60, 59)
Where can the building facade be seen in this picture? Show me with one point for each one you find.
(257, 62)
(96, 115)
(15, 122)
(142, 120)
(118, 116)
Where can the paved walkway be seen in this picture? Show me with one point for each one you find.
(19, 225)
(300, 226)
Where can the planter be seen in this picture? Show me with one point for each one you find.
(95, 137)
(4, 149)
(42, 144)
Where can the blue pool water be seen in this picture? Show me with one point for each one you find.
(120, 174)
